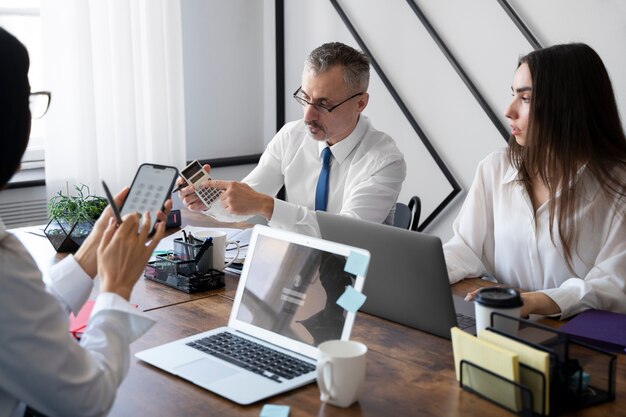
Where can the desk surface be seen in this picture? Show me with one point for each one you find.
(409, 372)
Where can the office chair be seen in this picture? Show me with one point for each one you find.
(408, 216)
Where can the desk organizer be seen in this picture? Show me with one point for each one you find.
(183, 270)
(580, 375)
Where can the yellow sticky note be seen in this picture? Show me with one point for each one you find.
(491, 357)
(531, 357)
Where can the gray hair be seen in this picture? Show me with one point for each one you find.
(356, 65)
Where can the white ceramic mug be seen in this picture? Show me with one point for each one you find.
(341, 371)
(218, 250)
(505, 301)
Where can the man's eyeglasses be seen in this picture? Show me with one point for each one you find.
(320, 107)
(39, 103)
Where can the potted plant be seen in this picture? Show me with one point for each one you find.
(72, 218)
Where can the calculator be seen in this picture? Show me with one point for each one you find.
(195, 175)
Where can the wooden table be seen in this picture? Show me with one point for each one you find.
(409, 372)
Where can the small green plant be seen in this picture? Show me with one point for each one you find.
(72, 218)
(76, 209)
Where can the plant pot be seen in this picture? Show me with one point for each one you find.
(66, 237)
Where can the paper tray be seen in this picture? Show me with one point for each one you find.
(580, 375)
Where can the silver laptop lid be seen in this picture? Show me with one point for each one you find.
(407, 279)
(289, 288)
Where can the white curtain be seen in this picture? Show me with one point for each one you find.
(115, 71)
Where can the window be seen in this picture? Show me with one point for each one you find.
(22, 19)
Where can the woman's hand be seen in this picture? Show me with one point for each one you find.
(86, 256)
(123, 253)
(538, 303)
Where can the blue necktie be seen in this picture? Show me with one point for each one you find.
(321, 192)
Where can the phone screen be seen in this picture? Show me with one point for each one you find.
(149, 191)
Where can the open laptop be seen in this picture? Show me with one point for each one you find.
(407, 277)
(284, 308)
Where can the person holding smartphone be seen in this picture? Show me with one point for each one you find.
(42, 367)
(332, 159)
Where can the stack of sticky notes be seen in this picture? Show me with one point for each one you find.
(502, 356)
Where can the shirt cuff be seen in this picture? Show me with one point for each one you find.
(284, 216)
(70, 283)
(138, 323)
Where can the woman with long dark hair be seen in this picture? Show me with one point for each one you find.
(41, 365)
(547, 215)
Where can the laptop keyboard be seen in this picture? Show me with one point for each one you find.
(252, 356)
(464, 321)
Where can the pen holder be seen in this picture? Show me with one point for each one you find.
(189, 252)
(187, 268)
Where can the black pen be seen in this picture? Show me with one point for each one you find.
(180, 187)
(116, 211)
(207, 243)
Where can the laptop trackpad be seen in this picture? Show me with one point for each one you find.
(205, 371)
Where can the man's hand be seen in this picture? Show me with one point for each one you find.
(188, 194)
(240, 198)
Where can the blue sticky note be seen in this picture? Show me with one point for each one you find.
(356, 264)
(351, 300)
(273, 410)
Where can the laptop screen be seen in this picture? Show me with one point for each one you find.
(292, 290)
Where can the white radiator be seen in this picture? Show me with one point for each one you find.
(24, 207)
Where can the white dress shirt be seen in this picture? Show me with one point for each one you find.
(40, 362)
(366, 175)
(495, 235)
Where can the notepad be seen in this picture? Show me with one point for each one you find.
(78, 323)
(599, 328)
(531, 357)
(491, 357)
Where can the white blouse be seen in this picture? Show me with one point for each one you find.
(495, 235)
(40, 363)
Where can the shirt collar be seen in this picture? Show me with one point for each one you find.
(510, 175)
(589, 185)
(344, 147)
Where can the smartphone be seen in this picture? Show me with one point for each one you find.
(150, 190)
(195, 175)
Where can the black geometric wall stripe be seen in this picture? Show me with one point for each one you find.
(459, 70)
(532, 39)
(279, 27)
(456, 188)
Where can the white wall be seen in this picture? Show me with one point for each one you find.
(224, 50)
(478, 32)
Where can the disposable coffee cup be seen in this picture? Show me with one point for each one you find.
(501, 300)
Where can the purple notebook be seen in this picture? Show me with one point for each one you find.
(599, 328)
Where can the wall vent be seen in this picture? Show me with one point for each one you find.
(25, 206)
(24, 213)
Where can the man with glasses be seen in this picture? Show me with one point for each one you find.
(332, 159)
